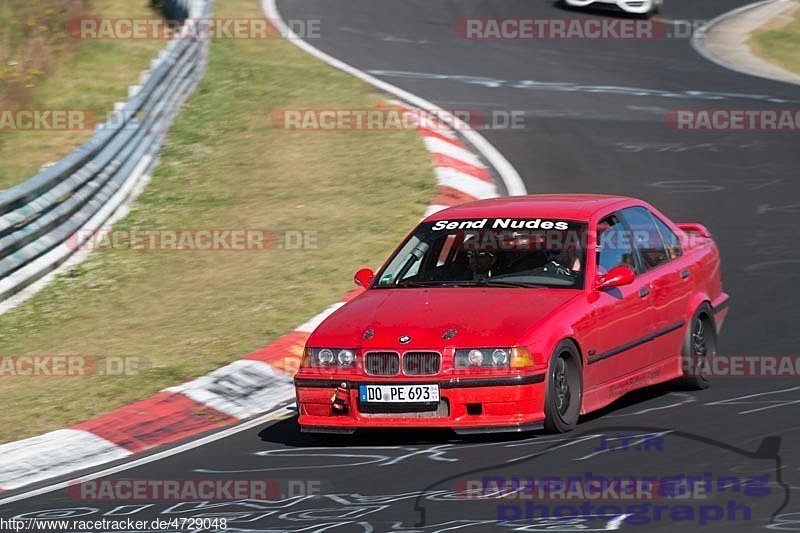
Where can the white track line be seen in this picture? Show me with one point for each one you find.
(236, 389)
(439, 146)
(278, 414)
(772, 403)
(475, 187)
(509, 175)
(511, 179)
(736, 400)
(54, 454)
(698, 39)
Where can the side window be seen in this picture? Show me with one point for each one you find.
(646, 236)
(614, 245)
(671, 241)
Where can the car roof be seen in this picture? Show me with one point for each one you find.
(557, 206)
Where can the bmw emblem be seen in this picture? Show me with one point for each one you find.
(405, 339)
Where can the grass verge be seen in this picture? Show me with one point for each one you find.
(223, 166)
(781, 44)
(41, 67)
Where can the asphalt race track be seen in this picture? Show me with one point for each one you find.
(594, 123)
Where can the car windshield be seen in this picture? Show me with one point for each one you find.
(530, 252)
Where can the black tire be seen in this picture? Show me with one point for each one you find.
(700, 342)
(564, 391)
(657, 8)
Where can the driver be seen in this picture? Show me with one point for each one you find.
(481, 264)
(564, 260)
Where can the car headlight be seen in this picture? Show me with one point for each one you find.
(482, 357)
(475, 358)
(500, 357)
(329, 357)
(325, 356)
(346, 357)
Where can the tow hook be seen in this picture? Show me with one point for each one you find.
(340, 398)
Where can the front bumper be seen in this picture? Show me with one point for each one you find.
(467, 405)
(639, 7)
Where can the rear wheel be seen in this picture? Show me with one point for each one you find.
(562, 405)
(700, 343)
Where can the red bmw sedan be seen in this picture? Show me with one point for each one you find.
(517, 313)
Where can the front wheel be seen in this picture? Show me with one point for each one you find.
(562, 404)
(655, 9)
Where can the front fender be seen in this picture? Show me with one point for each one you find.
(543, 339)
(697, 300)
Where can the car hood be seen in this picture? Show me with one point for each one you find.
(481, 317)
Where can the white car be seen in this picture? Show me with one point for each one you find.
(638, 7)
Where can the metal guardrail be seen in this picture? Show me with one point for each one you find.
(46, 219)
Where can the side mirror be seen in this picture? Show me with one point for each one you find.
(616, 277)
(364, 277)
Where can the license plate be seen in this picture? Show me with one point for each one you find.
(398, 393)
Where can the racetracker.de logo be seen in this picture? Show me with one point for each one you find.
(744, 366)
(589, 488)
(172, 240)
(733, 119)
(548, 29)
(395, 119)
(175, 490)
(46, 119)
(191, 29)
(194, 240)
(70, 366)
(196, 490)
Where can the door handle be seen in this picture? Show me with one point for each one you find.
(644, 291)
(685, 273)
